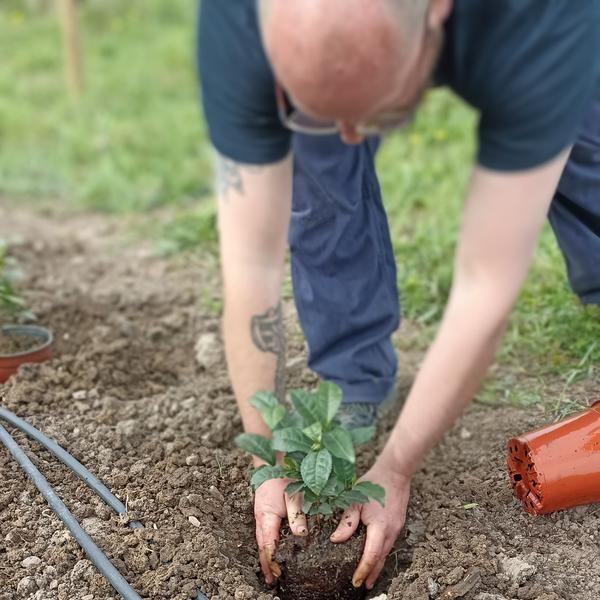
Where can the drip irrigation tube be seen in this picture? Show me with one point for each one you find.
(64, 457)
(94, 553)
(83, 539)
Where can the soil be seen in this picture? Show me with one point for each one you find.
(315, 569)
(138, 391)
(15, 344)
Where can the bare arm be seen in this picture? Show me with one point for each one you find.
(254, 214)
(503, 218)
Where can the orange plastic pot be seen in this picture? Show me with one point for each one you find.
(9, 363)
(557, 466)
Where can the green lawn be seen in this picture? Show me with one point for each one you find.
(136, 142)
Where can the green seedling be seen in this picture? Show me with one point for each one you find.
(318, 453)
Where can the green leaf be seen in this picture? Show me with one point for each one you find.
(264, 400)
(292, 469)
(265, 473)
(349, 497)
(309, 495)
(362, 435)
(309, 406)
(307, 506)
(257, 445)
(290, 463)
(269, 407)
(372, 490)
(333, 487)
(337, 503)
(330, 396)
(314, 432)
(291, 419)
(309, 500)
(297, 457)
(344, 471)
(315, 469)
(290, 439)
(339, 443)
(274, 417)
(294, 488)
(324, 509)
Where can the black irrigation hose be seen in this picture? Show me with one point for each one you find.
(64, 457)
(90, 480)
(83, 539)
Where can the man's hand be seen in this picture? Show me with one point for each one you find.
(271, 506)
(383, 523)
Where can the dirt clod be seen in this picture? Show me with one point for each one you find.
(31, 562)
(518, 570)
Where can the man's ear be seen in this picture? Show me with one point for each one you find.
(439, 11)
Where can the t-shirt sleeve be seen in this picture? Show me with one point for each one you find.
(237, 85)
(542, 90)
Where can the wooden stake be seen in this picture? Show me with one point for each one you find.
(72, 47)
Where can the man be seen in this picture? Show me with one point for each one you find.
(352, 68)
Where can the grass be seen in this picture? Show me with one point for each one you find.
(136, 142)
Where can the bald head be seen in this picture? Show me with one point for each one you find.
(339, 59)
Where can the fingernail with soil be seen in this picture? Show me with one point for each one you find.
(275, 569)
(357, 583)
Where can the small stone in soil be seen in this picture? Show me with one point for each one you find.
(26, 586)
(433, 587)
(455, 575)
(31, 562)
(518, 570)
(191, 460)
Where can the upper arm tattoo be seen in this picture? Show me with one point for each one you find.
(230, 175)
(268, 336)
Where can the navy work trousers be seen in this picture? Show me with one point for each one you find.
(343, 268)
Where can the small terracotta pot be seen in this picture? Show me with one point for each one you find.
(9, 363)
(557, 466)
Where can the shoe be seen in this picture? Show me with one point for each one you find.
(365, 414)
(357, 414)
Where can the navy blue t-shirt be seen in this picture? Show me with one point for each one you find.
(530, 68)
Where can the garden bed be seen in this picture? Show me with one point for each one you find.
(134, 396)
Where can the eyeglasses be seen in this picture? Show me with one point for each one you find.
(299, 122)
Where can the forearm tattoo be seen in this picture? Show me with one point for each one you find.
(268, 336)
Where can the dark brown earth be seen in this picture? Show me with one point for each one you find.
(14, 344)
(138, 392)
(315, 569)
